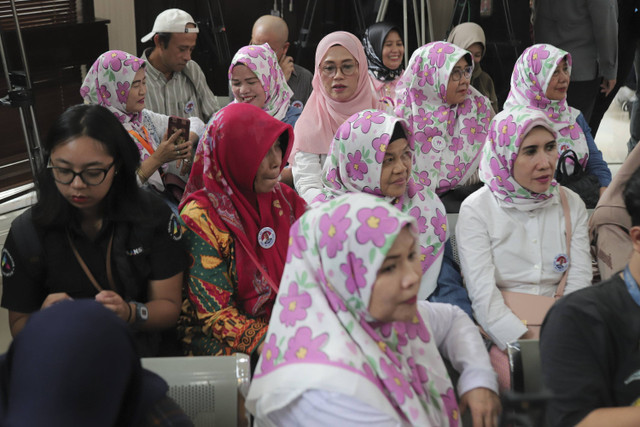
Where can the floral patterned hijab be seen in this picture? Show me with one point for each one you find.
(354, 165)
(529, 81)
(447, 138)
(262, 60)
(506, 132)
(108, 83)
(321, 335)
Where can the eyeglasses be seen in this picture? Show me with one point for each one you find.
(458, 73)
(346, 69)
(90, 176)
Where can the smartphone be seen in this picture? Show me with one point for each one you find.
(176, 123)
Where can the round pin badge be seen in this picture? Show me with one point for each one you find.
(266, 237)
(189, 107)
(561, 263)
(438, 144)
(298, 104)
(6, 263)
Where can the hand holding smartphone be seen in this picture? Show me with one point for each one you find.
(176, 123)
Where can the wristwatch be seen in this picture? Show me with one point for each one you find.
(142, 313)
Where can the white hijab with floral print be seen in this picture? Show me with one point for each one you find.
(354, 165)
(447, 139)
(529, 82)
(506, 133)
(321, 335)
(262, 60)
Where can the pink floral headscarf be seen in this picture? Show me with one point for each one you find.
(321, 335)
(447, 139)
(529, 81)
(262, 60)
(506, 132)
(354, 165)
(108, 83)
(321, 115)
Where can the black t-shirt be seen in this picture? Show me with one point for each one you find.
(590, 352)
(150, 249)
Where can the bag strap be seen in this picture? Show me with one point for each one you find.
(272, 284)
(567, 233)
(86, 270)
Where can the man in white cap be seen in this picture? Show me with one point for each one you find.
(176, 85)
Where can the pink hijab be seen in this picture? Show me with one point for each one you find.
(322, 116)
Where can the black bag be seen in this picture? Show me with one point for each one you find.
(586, 185)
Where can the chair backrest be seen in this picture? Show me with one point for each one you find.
(524, 361)
(205, 387)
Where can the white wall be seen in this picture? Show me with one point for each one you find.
(122, 29)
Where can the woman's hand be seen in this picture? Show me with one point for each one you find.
(55, 298)
(168, 151)
(115, 303)
(484, 405)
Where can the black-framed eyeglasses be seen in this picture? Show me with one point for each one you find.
(331, 70)
(90, 176)
(458, 73)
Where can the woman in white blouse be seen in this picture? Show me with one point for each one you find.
(511, 232)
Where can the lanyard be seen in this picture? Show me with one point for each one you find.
(86, 269)
(144, 141)
(632, 285)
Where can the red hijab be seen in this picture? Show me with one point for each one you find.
(227, 160)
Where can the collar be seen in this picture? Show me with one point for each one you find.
(294, 72)
(152, 71)
(632, 285)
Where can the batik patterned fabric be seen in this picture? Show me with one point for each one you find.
(354, 165)
(263, 62)
(321, 335)
(229, 297)
(529, 81)
(506, 133)
(108, 83)
(447, 139)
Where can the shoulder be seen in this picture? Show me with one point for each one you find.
(301, 71)
(482, 198)
(575, 202)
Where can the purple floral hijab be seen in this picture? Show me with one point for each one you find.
(447, 139)
(108, 82)
(354, 165)
(529, 82)
(321, 336)
(263, 62)
(506, 132)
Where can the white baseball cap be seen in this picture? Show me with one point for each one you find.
(171, 21)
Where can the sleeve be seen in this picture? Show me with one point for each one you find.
(596, 165)
(159, 125)
(604, 24)
(460, 342)
(208, 102)
(167, 255)
(212, 290)
(476, 261)
(22, 287)
(571, 343)
(196, 126)
(580, 271)
(319, 408)
(307, 173)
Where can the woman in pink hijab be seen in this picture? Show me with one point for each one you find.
(342, 86)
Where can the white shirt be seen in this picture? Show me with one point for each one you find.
(457, 339)
(503, 248)
(307, 174)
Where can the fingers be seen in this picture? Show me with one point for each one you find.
(54, 299)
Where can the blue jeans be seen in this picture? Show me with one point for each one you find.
(450, 289)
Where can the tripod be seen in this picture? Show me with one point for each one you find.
(20, 95)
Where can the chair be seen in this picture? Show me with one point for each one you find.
(205, 387)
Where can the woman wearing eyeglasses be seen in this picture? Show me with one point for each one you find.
(341, 87)
(94, 234)
(449, 119)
